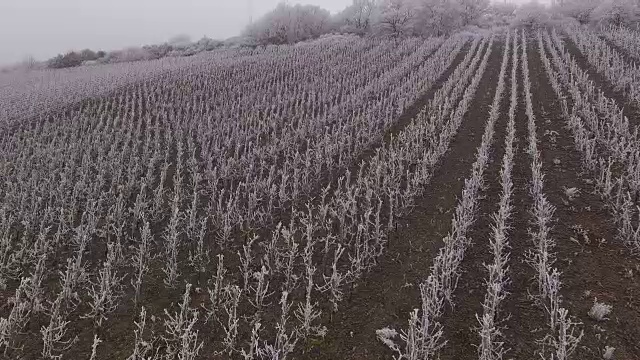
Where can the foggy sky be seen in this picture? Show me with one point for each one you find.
(44, 28)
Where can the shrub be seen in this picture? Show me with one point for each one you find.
(70, 59)
(288, 24)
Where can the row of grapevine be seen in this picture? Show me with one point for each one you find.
(624, 38)
(608, 61)
(604, 137)
(424, 336)
(561, 337)
(491, 345)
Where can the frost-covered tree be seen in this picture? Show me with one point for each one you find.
(532, 14)
(616, 12)
(427, 17)
(435, 17)
(288, 24)
(394, 17)
(357, 17)
(207, 44)
(499, 14)
(471, 10)
(578, 9)
(601, 12)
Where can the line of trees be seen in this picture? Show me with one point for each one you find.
(602, 12)
(288, 24)
(179, 46)
(74, 58)
(388, 18)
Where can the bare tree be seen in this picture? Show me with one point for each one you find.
(471, 10)
(357, 17)
(394, 17)
(434, 17)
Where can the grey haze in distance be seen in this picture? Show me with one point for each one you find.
(44, 28)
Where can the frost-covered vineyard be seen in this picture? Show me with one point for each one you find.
(471, 196)
(38, 92)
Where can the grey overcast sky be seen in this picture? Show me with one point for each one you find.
(44, 28)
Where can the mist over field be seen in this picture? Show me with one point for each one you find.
(43, 28)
